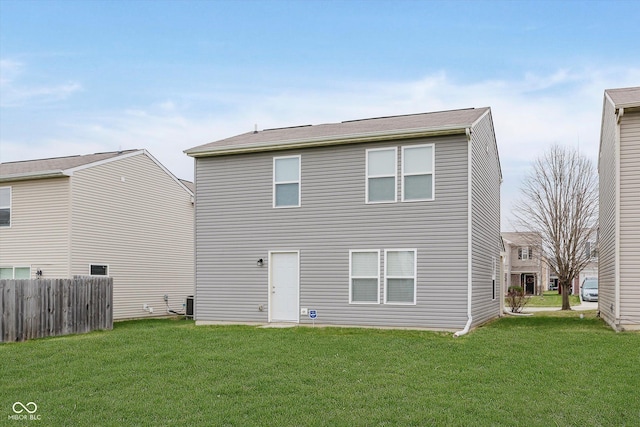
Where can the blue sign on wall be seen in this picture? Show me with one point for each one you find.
(313, 314)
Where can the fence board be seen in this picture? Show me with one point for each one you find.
(51, 307)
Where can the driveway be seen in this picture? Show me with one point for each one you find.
(584, 305)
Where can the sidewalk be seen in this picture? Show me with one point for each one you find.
(584, 305)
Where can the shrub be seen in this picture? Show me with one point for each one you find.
(516, 298)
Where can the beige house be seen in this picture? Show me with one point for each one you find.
(120, 214)
(524, 264)
(619, 236)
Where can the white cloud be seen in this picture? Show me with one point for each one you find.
(15, 93)
(530, 114)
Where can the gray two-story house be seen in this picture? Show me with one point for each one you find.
(619, 234)
(389, 222)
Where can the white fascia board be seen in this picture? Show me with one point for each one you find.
(71, 171)
(168, 172)
(33, 175)
(327, 141)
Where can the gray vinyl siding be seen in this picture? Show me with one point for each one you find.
(630, 219)
(132, 216)
(39, 233)
(607, 233)
(485, 208)
(236, 225)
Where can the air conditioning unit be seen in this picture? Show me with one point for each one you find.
(189, 307)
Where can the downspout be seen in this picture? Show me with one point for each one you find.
(618, 146)
(469, 235)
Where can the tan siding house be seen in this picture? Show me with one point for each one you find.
(525, 265)
(619, 241)
(122, 214)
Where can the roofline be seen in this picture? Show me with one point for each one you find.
(103, 161)
(69, 172)
(327, 141)
(54, 173)
(632, 104)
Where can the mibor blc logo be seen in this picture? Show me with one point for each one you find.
(22, 411)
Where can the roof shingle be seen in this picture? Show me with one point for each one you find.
(625, 97)
(269, 139)
(57, 164)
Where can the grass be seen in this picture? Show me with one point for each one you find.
(517, 371)
(551, 299)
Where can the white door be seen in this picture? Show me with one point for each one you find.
(284, 280)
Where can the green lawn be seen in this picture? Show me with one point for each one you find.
(550, 299)
(517, 371)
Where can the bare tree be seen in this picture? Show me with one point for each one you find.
(559, 203)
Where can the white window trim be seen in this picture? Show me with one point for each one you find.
(494, 290)
(522, 251)
(299, 182)
(415, 275)
(100, 264)
(377, 277)
(10, 206)
(433, 172)
(395, 175)
(14, 270)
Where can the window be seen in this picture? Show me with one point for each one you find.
(286, 182)
(15, 272)
(417, 173)
(99, 270)
(381, 175)
(5, 206)
(493, 278)
(525, 253)
(364, 273)
(591, 249)
(400, 276)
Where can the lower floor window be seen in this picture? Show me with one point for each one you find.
(99, 270)
(365, 271)
(15, 272)
(399, 276)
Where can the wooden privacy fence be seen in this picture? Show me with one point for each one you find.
(50, 307)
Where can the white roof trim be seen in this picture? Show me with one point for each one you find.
(125, 156)
(54, 173)
(71, 171)
(330, 140)
(168, 172)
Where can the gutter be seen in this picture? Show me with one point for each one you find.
(33, 175)
(469, 242)
(325, 141)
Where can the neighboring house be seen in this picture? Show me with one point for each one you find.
(619, 234)
(591, 269)
(120, 214)
(391, 221)
(524, 263)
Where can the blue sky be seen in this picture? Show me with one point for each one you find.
(79, 77)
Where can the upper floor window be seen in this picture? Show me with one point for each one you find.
(381, 175)
(591, 249)
(525, 253)
(417, 172)
(5, 206)
(286, 182)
